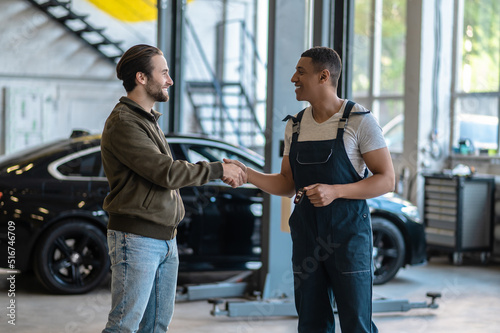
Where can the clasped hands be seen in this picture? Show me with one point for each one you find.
(235, 173)
(320, 195)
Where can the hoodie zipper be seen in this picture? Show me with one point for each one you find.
(177, 195)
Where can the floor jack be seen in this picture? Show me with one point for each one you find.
(232, 287)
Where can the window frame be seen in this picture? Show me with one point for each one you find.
(456, 91)
(54, 172)
(373, 97)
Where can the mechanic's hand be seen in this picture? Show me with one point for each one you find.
(242, 166)
(238, 163)
(321, 195)
(233, 174)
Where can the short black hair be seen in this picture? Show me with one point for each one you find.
(136, 59)
(325, 58)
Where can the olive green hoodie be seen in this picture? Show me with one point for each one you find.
(144, 179)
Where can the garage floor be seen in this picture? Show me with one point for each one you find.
(470, 303)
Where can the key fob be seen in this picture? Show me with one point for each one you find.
(299, 196)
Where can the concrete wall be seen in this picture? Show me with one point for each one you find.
(50, 81)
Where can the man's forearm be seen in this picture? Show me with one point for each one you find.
(275, 183)
(370, 187)
(322, 195)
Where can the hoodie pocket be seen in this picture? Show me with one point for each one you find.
(149, 196)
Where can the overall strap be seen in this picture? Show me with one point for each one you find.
(296, 124)
(343, 120)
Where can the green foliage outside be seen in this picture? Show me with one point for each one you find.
(392, 57)
(481, 46)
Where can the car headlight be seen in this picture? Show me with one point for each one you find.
(412, 213)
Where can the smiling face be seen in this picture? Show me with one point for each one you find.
(159, 80)
(306, 80)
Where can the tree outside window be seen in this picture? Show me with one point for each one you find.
(379, 63)
(477, 90)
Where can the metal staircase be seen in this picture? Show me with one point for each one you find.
(227, 109)
(223, 108)
(60, 11)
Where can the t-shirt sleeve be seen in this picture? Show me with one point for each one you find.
(288, 138)
(370, 136)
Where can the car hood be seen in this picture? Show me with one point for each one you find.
(394, 203)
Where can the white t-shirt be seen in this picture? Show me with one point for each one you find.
(362, 133)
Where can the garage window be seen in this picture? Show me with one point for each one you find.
(379, 63)
(477, 88)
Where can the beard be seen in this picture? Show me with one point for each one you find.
(155, 90)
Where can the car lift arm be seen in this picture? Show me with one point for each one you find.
(286, 307)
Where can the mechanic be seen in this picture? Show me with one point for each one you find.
(329, 148)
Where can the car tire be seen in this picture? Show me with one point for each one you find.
(388, 250)
(72, 257)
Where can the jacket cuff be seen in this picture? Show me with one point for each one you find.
(216, 170)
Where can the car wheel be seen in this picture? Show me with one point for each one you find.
(72, 258)
(388, 250)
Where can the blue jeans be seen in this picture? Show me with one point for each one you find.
(143, 282)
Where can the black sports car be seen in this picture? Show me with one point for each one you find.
(52, 219)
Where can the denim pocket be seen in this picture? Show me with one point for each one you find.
(354, 256)
(132, 235)
(111, 237)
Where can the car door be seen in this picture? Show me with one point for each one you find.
(222, 224)
(82, 179)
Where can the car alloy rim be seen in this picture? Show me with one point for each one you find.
(384, 252)
(72, 260)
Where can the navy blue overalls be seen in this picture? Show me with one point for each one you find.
(332, 245)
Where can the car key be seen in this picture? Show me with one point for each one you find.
(299, 196)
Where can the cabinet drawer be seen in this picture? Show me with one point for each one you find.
(440, 237)
(442, 201)
(440, 210)
(441, 182)
(440, 189)
(441, 224)
(440, 217)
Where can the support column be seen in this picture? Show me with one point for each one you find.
(287, 35)
(170, 34)
(427, 91)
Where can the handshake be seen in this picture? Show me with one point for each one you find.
(235, 173)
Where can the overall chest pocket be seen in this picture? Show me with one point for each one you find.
(313, 156)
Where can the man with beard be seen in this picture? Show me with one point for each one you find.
(144, 203)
